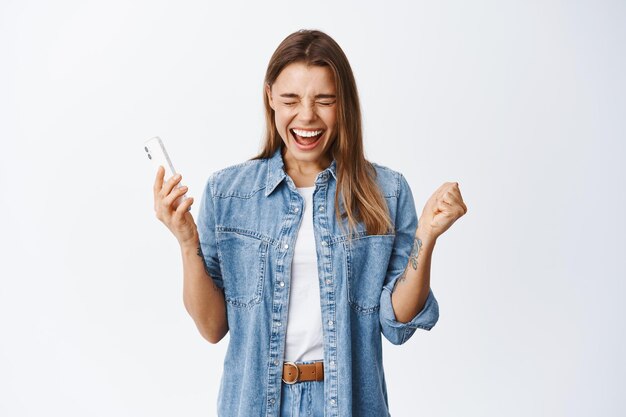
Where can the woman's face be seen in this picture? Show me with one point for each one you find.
(304, 102)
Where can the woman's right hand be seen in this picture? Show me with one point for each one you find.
(178, 219)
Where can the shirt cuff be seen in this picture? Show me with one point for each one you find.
(397, 332)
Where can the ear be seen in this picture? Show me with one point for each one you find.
(268, 91)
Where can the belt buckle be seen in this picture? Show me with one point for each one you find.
(297, 373)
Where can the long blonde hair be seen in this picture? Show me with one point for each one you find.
(356, 177)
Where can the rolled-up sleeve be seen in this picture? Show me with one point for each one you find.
(405, 227)
(207, 235)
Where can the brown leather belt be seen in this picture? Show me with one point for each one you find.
(299, 372)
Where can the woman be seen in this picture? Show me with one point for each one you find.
(307, 252)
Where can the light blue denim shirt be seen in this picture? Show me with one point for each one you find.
(248, 222)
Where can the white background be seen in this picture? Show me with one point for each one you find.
(523, 103)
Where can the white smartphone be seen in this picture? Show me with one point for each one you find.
(156, 153)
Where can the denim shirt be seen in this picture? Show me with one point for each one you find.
(248, 222)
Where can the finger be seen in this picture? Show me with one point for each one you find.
(454, 189)
(170, 184)
(455, 204)
(442, 196)
(173, 196)
(457, 200)
(456, 192)
(449, 199)
(158, 181)
(454, 196)
(445, 188)
(446, 201)
(184, 207)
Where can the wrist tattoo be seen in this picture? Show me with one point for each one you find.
(415, 251)
(417, 247)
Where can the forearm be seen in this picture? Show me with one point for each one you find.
(411, 289)
(203, 299)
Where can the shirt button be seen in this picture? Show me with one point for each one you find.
(324, 243)
(330, 322)
(276, 362)
(328, 282)
(332, 401)
(332, 363)
(281, 283)
(296, 209)
(286, 246)
(271, 401)
(277, 323)
(321, 208)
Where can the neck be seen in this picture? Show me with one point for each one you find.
(305, 168)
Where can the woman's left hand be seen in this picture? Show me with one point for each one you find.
(442, 209)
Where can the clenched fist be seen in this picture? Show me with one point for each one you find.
(442, 209)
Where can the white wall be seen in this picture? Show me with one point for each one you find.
(521, 102)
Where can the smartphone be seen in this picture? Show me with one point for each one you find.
(155, 150)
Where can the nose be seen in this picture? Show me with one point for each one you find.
(307, 112)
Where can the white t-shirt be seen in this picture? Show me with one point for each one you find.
(304, 320)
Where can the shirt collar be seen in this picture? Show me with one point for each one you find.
(276, 172)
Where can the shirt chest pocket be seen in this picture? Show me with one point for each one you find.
(367, 261)
(243, 263)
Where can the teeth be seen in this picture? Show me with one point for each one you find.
(306, 133)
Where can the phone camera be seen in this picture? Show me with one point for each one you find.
(149, 157)
(146, 148)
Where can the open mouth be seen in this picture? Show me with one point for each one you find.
(307, 139)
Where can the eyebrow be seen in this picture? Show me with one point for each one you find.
(292, 95)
